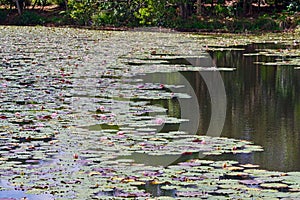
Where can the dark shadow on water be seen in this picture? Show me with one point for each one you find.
(263, 105)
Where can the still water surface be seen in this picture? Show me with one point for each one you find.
(263, 105)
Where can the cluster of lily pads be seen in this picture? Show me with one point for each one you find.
(74, 121)
(284, 48)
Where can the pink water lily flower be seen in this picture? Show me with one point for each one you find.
(159, 121)
(53, 115)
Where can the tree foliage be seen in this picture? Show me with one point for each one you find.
(167, 12)
(174, 13)
(121, 12)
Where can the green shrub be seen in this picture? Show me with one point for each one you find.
(82, 11)
(265, 23)
(240, 25)
(145, 14)
(103, 18)
(30, 18)
(3, 16)
(62, 19)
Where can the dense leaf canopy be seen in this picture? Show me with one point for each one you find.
(200, 14)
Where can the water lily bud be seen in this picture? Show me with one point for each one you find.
(75, 156)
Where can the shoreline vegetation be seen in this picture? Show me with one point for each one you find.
(214, 16)
(181, 15)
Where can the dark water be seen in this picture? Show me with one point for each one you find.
(263, 105)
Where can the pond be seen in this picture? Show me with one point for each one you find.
(97, 114)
